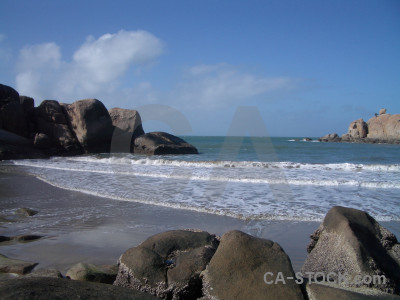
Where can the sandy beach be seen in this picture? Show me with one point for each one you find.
(84, 228)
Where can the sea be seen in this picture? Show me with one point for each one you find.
(250, 178)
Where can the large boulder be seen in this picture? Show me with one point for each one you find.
(246, 267)
(51, 121)
(12, 117)
(352, 248)
(358, 129)
(28, 108)
(332, 137)
(128, 126)
(162, 143)
(168, 264)
(91, 124)
(37, 288)
(384, 127)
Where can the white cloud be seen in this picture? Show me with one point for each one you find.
(95, 69)
(221, 85)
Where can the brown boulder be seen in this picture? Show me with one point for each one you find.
(350, 242)
(93, 273)
(246, 267)
(358, 129)
(332, 137)
(91, 124)
(162, 143)
(168, 264)
(128, 126)
(382, 111)
(385, 128)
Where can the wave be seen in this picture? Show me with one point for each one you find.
(280, 178)
(240, 164)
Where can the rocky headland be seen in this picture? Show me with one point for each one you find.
(85, 126)
(351, 256)
(382, 128)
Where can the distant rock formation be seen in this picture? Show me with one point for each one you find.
(85, 126)
(382, 128)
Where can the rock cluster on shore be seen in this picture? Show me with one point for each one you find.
(382, 128)
(85, 126)
(351, 256)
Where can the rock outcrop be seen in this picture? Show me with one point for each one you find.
(128, 126)
(332, 137)
(351, 243)
(9, 265)
(168, 264)
(162, 143)
(382, 128)
(85, 126)
(246, 267)
(91, 124)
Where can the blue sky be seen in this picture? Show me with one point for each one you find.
(309, 67)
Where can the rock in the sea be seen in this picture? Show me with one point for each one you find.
(128, 126)
(38, 288)
(27, 212)
(52, 273)
(51, 121)
(351, 243)
(9, 265)
(168, 264)
(332, 137)
(382, 111)
(358, 129)
(93, 273)
(91, 124)
(162, 143)
(246, 267)
(12, 117)
(384, 128)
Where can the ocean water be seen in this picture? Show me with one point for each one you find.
(242, 177)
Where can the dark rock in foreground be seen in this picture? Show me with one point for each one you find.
(27, 212)
(351, 242)
(162, 143)
(13, 146)
(168, 264)
(38, 288)
(237, 270)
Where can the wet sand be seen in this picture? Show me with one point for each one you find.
(85, 228)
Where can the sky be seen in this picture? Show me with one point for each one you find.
(308, 68)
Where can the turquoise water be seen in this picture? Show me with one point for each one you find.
(242, 177)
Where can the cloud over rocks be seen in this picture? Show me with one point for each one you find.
(222, 84)
(95, 68)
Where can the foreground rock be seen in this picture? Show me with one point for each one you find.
(323, 292)
(128, 126)
(91, 124)
(28, 288)
(350, 242)
(237, 270)
(93, 273)
(162, 143)
(9, 265)
(27, 212)
(168, 264)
